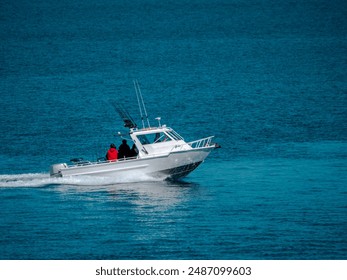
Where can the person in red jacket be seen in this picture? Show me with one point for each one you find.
(112, 153)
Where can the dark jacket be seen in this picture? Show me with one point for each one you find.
(124, 150)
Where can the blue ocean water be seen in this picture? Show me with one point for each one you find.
(267, 78)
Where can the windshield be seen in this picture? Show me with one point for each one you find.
(174, 135)
(153, 138)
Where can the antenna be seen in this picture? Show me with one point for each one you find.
(158, 119)
(139, 94)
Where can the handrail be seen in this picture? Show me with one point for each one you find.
(204, 142)
(101, 160)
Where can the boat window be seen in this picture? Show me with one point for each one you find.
(175, 135)
(153, 138)
(161, 137)
(143, 139)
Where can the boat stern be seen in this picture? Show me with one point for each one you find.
(55, 170)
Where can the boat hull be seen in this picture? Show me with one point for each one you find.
(173, 165)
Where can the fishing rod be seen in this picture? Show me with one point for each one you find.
(124, 114)
(139, 96)
(143, 103)
(138, 102)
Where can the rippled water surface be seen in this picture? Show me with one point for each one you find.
(267, 78)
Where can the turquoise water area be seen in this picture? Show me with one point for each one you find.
(267, 78)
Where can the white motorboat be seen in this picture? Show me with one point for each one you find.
(160, 153)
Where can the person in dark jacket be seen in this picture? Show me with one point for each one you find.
(133, 152)
(124, 150)
(112, 153)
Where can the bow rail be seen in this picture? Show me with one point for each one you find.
(204, 142)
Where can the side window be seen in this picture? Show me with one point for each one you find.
(143, 139)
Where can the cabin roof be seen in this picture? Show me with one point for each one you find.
(150, 130)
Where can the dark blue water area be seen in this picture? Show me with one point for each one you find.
(266, 78)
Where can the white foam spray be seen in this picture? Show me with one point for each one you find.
(44, 179)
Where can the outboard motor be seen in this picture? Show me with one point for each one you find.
(55, 169)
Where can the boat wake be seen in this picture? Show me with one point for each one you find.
(24, 180)
(44, 180)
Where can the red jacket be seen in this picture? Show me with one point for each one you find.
(112, 154)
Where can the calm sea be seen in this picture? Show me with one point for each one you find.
(267, 78)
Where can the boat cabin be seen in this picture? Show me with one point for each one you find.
(157, 140)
